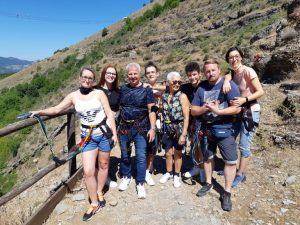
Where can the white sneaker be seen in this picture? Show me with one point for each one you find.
(110, 183)
(193, 172)
(149, 179)
(176, 181)
(124, 183)
(165, 178)
(141, 191)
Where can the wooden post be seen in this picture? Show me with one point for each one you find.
(71, 142)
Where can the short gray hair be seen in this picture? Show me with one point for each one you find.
(136, 65)
(172, 75)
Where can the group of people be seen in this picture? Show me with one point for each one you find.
(220, 107)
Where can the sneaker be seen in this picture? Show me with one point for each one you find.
(124, 183)
(238, 180)
(204, 189)
(141, 191)
(110, 183)
(193, 172)
(165, 178)
(149, 179)
(226, 203)
(176, 181)
(101, 200)
(93, 209)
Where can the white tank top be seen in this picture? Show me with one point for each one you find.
(91, 112)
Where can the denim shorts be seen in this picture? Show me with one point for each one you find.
(246, 136)
(170, 142)
(97, 141)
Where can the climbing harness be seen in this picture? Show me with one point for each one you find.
(43, 127)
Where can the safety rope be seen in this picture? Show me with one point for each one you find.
(43, 127)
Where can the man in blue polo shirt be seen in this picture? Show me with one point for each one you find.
(216, 117)
(137, 124)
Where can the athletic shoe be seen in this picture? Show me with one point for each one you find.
(165, 178)
(149, 179)
(226, 201)
(110, 183)
(193, 172)
(141, 191)
(176, 181)
(93, 209)
(124, 183)
(204, 189)
(238, 180)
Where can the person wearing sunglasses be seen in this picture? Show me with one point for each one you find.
(93, 108)
(175, 124)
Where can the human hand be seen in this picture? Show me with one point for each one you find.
(226, 86)
(151, 135)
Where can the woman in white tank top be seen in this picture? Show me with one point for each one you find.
(93, 107)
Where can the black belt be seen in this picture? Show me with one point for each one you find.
(249, 103)
(90, 127)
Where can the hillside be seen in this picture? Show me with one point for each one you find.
(12, 65)
(172, 33)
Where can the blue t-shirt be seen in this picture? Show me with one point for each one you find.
(134, 101)
(207, 92)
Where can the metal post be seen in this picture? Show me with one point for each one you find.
(71, 141)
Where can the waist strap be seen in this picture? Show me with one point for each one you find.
(90, 126)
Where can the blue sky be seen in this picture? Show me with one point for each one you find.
(34, 29)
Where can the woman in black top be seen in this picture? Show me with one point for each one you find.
(109, 84)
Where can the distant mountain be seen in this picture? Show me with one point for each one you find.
(12, 65)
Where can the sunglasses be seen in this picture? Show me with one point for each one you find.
(174, 82)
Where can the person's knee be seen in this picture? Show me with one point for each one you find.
(103, 164)
(89, 172)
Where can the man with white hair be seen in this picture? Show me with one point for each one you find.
(137, 123)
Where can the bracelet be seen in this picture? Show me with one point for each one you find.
(247, 100)
(184, 135)
(152, 128)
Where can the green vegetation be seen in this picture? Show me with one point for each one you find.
(2, 76)
(104, 32)
(23, 97)
(61, 50)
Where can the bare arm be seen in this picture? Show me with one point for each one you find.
(257, 94)
(109, 114)
(213, 106)
(185, 110)
(63, 105)
(198, 110)
(152, 118)
(226, 85)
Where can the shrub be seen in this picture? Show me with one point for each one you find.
(104, 32)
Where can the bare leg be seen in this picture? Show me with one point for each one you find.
(169, 160)
(103, 161)
(177, 161)
(229, 173)
(89, 161)
(208, 168)
(150, 159)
